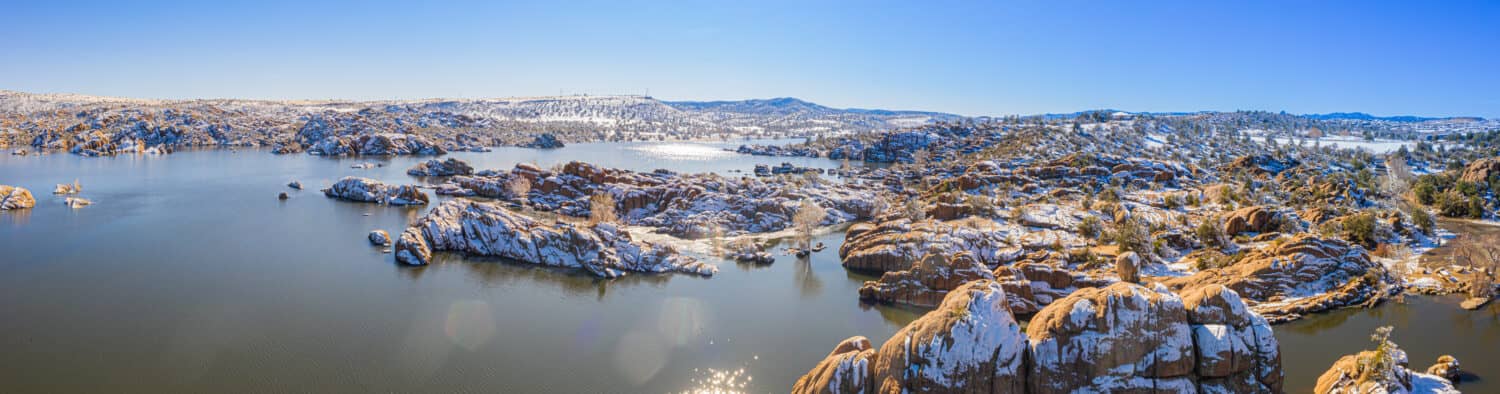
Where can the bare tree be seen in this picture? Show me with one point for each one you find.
(809, 215)
(602, 208)
(518, 187)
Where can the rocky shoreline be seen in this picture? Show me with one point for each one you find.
(487, 229)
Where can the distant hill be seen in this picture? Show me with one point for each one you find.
(1365, 116)
(55, 119)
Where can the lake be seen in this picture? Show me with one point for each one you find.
(188, 275)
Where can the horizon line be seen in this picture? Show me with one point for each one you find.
(644, 96)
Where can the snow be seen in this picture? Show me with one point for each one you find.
(1343, 142)
(1422, 383)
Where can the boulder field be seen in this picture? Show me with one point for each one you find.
(683, 205)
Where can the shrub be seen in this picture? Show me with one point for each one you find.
(1209, 233)
(1423, 219)
(1360, 228)
(1131, 236)
(1090, 227)
(1110, 195)
(602, 208)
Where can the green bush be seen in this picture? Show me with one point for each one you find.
(1210, 234)
(1131, 236)
(1360, 229)
(1423, 220)
(1090, 227)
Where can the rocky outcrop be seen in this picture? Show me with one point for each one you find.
(375, 144)
(1128, 267)
(412, 248)
(684, 205)
(971, 343)
(544, 141)
(928, 280)
(380, 237)
(1032, 285)
(1120, 338)
(434, 167)
(893, 245)
(77, 202)
(1446, 368)
(845, 370)
(294, 185)
(370, 190)
(1261, 164)
(68, 188)
(1481, 171)
(1256, 219)
(12, 197)
(1303, 274)
(488, 229)
(1235, 350)
(749, 251)
(1123, 337)
(1366, 372)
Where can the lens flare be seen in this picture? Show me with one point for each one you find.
(470, 324)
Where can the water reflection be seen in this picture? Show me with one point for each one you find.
(499, 272)
(189, 272)
(17, 217)
(1425, 327)
(807, 280)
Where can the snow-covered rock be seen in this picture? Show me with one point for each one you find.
(490, 230)
(1120, 338)
(375, 144)
(12, 197)
(370, 190)
(683, 205)
(1236, 349)
(435, 167)
(896, 244)
(928, 280)
(1301, 275)
(1124, 337)
(1349, 375)
(77, 202)
(544, 141)
(380, 237)
(845, 370)
(971, 343)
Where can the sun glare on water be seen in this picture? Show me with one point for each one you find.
(681, 151)
(721, 382)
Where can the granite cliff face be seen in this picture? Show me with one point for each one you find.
(1120, 338)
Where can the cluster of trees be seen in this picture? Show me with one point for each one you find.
(1452, 197)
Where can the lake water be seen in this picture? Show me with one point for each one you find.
(188, 275)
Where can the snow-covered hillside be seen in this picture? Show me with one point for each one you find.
(63, 120)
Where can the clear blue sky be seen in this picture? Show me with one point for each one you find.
(1398, 57)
